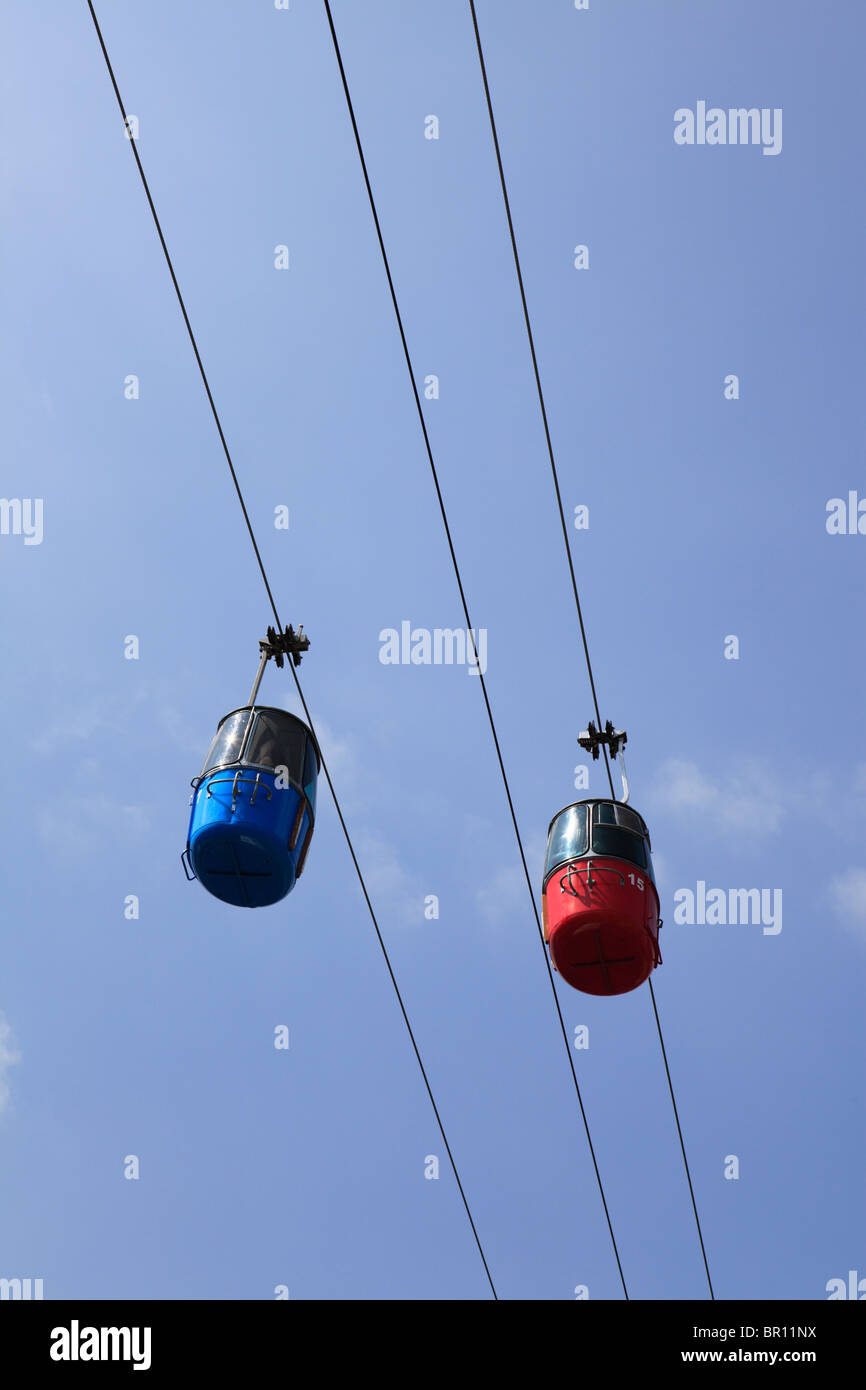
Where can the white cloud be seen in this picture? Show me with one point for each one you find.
(97, 718)
(682, 786)
(752, 801)
(396, 897)
(504, 896)
(193, 740)
(746, 800)
(341, 758)
(338, 753)
(9, 1055)
(97, 715)
(662, 873)
(96, 820)
(848, 896)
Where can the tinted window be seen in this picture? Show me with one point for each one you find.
(567, 838)
(620, 844)
(226, 746)
(614, 813)
(311, 772)
(276, 741)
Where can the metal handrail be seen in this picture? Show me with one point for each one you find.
(590, 882)
(236, 781)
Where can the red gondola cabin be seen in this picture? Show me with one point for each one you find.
(599, 900)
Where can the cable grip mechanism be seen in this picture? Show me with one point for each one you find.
(279, 645)
(282, 644)
(593, 739)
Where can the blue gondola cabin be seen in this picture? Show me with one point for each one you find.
(253, 807)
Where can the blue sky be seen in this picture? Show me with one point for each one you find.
(154, 1037)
